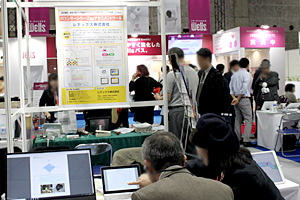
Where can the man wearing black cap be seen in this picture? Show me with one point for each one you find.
(224, 161)
(271, 79)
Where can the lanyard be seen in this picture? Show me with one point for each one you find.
(222, 177)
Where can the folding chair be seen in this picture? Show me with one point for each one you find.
(288, 117)
(96, 150)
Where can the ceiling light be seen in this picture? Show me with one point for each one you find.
(265, 26)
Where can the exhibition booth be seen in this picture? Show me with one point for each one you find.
(96, 51)
(255, 44)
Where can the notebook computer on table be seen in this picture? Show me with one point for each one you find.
(268, 161)
(50, 175)
(115, 181)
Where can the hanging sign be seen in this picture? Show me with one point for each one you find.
(92, 56)
(39, 21)
(172, 17)
(253, 37)
(199, 16)
(144, 45)
(138, 20)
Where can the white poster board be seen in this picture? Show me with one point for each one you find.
(92, 56)
(172, 16)
(138, 20)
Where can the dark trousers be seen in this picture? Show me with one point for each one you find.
(176, 116)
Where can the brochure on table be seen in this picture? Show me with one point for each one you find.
(92, 56)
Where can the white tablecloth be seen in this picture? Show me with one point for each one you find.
(289, 190)
(267, 126)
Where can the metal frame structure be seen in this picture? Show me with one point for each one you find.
(13, 114)
(220, 23)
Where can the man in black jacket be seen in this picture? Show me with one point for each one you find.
(212, 94)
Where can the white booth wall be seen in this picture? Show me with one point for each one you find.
(38, 62)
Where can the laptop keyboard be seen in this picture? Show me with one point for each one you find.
(118, 197)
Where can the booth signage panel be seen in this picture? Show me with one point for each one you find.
(144, 45)
(92, 56)
(253, 37)
(199, 16)
(228, 41)
(39, 21)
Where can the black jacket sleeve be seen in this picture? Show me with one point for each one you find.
(132, 86)
(43, 99)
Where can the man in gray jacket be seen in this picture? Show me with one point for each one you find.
(269, 77)
(167, 179)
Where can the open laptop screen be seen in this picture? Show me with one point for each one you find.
(48, 175)
(269, 163)
(116, 179)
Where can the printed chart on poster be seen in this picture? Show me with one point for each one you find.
(92, 56)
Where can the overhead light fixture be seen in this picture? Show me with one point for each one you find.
(265, 26)
(220, 31)
(192, 36)
(134, 35)
(179, 36)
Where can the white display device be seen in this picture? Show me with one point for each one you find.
(293, 106)
(115, 181)
(268, 161)
(47, 175)
(268, 105)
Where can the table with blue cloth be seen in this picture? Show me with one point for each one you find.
(116, 141)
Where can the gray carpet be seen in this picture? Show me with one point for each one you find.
(291, 169)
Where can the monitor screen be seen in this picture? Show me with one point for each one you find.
(117, 179)
(104, 122)
(49, 175)
(268, 163)
(190, 44)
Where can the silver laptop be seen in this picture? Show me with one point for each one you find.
(268, 105)
(268, 161)
(64, 175)
(115, 182)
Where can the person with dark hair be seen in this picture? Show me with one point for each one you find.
(194, 67)
(169, 180)
(50, 97)
(271, 79)
(290, 93)
(176, 105)
(221, 68)
(223, 160)
(143, 86)
(233, 67)
(240, 90)
(212, 94)
(59, 187)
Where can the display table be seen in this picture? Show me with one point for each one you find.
(116, 141)
(289, 190)
(267, 126)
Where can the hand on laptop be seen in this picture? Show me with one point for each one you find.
(142, 181)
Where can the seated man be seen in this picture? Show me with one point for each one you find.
(164, 160)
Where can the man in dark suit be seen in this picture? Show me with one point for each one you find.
(212, 95)
(166, 177)
(233, 67)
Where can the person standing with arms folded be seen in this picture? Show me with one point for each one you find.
(240, 90)
(272, 80)
(143, 86)
(212, 94)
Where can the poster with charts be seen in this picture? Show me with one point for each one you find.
(92, 56)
